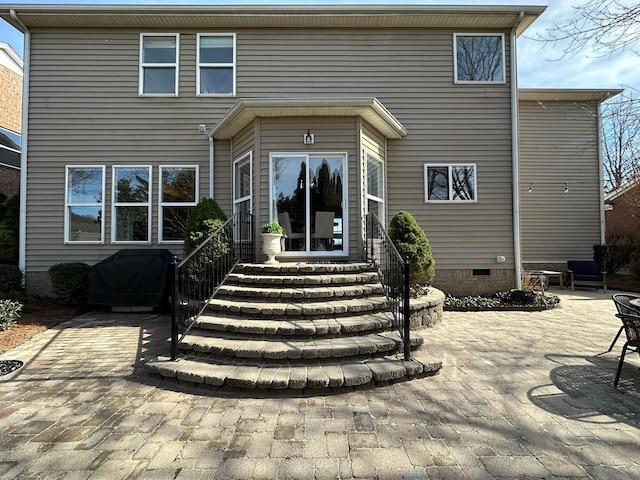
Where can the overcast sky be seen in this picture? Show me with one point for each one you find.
(540, 65)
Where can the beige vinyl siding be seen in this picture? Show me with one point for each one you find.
(557, 145)
(85, 109)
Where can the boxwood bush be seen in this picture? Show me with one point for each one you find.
(412, 242)
(70, 282)
(10, 279)
(204, 219)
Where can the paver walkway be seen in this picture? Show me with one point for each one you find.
(519, 395)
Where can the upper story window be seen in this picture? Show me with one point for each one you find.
(159, 64)
(479, 58)
(178, 195)
(84, 204)
(216, 64)
(131, 216)
(449, 183)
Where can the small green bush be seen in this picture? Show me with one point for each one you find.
(70, 282)
(9, 314)
(197, 225)
(10, 278)
(9, 214)
(412, 242)
(273, 228)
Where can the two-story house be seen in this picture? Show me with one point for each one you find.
(136, 112)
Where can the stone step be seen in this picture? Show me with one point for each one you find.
(299, 294)
(296, 326)
(306, 268)
(292, 376)
(303, 280)
(230, 345)
(296, 309)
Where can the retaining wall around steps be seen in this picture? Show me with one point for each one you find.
(427, 311)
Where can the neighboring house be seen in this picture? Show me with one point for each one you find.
(622, 211)
(136, 112)
(10, 119)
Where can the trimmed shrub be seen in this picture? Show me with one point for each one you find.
(70, 282)
(199, 223)
(9, 314)
(10, 278)
(9, 213)
(412, 242)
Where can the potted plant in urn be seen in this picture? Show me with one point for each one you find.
(271, 235)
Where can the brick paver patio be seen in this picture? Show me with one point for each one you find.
(520, 395)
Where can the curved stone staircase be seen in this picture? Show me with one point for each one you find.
(296, 326)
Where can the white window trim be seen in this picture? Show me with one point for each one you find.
(68, 205)
(273, 215)
(162, 65)
(115, 204)
(367, 156)
(449, 167)
(162, 204)
(246, 157)
(209, 65)
(476, 82)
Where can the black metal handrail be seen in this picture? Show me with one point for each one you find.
(394, 275)
(197, 278)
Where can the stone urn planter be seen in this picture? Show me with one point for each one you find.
(272, 234)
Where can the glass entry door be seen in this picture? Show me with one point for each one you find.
(307, 199)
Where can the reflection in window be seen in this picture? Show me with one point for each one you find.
(84, 203)
(158, 64)
(375, 187)
(131, 204)
(450, 183)
(479, 58)
(178, 194)
(216, 64)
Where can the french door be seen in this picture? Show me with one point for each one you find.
(308, 198)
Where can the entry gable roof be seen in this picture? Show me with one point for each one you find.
(369, 108)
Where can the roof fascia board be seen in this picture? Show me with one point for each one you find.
(359, 15)
(568, 94)
(245, 110)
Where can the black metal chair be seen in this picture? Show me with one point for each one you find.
(631, 326)
(622, 302)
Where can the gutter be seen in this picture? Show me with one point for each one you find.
(603, 225)
(22, 236)
(515, 164)
(211, 163)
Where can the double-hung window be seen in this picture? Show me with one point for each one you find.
(159, 64)
(178, 195)
(450, 183)
(479, 58)
(131, 215)
(216, 64)
(84, 204)
(375, 187)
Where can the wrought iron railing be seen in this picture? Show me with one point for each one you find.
(197, 278)
(394, 275)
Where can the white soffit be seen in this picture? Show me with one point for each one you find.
(567, 95)
(228, 16)
(246, 110)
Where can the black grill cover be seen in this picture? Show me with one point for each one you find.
(137, 277)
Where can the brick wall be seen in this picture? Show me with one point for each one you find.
(9, 180)
(10, 100)
(463, 282)
(624, 218)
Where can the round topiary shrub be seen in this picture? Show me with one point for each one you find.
(411, 242)
(10, 278)
(70, 283)
(200, 225)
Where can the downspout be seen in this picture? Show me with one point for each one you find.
(211, 161)
(603, 226)
(26, 66)
(517, 254)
